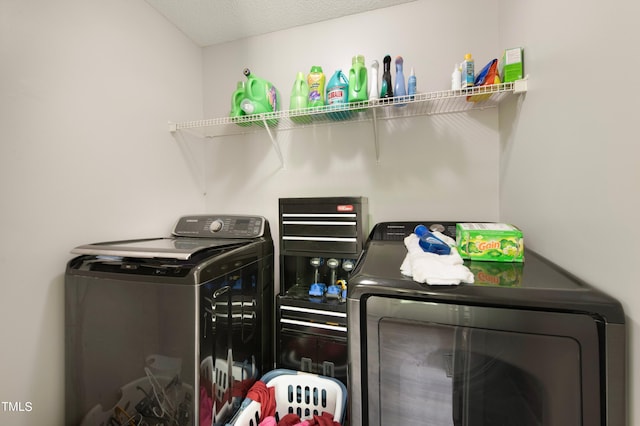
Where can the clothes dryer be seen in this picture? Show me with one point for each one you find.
(525, 344)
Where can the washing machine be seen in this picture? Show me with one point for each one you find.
(171, 330)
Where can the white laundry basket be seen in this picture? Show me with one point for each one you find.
(297, 392)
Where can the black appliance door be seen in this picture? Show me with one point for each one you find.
(128, 340)
(454, 365)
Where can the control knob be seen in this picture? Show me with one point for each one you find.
(216, 225)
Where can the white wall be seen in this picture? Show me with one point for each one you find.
(86, 90)
(570, 168)
(441, 167)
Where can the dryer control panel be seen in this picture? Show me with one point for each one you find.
(220, 226)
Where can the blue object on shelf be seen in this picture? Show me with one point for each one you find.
(334, 291)
(317, 289)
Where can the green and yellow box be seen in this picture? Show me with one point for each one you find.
(512, 65)
(497, 242)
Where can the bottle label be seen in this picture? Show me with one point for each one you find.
(272, 97)
(314, 93)
(468, 74)
(316, 88)
(337, 95)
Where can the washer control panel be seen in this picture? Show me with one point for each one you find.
(220, 226)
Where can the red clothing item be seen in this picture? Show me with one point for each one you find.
(266, 396)
(326, 419)
(289, 420)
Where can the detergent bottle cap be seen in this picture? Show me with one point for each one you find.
(247, 106)
(358, 59)
(316, 68)
(467, 57)
(412, 73)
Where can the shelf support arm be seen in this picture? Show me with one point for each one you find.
(274, 141)
(376, 142)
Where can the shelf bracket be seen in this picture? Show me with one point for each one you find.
(520, 86)
(376, 142)
(274, 141)
(198, 167)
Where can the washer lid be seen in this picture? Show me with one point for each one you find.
(180, 248)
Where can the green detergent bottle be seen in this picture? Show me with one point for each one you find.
(260, 96)
(236, 110)
(299, 99)
(358, 80)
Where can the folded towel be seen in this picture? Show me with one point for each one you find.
(431, 268)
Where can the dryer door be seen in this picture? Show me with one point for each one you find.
(448, 365)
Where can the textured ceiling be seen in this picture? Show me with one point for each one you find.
(208, 22)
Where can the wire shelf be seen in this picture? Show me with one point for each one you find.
(430, 103)
(375, 110)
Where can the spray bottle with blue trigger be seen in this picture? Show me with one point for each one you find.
(429, 242)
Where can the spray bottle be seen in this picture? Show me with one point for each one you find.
(412, 85)
(429, 242)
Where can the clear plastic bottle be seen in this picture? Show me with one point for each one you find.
(412, 84)
(456, 78)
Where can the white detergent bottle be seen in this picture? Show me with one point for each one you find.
(374, 91)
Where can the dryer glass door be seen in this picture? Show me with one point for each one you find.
(448, 365)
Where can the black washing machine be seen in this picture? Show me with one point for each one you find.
(169, 330)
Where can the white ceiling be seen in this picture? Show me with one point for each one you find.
(208, 22)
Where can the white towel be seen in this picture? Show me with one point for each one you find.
(431, 268)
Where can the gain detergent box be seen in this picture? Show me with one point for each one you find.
(498, 242)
